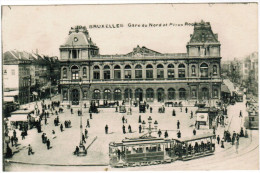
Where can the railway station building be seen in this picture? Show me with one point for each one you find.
(143, 74)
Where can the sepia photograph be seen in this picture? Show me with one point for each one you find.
(130, 87)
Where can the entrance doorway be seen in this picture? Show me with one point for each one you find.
(139, 94)
(160, 94)
(75, 97)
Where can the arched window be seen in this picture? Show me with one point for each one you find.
(117, 94)
(171, 94)
(74, 72)
(215, 70)
(107, 94)
(117, 72)
(215, 93)
(84, 71)
(128, 72)
(181, 71)
(205, 93)
(149, 71)
(128, 94)
(139, 94)
(106, 72)
(65, 75)
(96, 94)
(96, 72)
(204, 70)
(160, 95)
(149, 94)
(138, 72)
(182, 94)
(170, 71)
(160, 71)
(193, 70)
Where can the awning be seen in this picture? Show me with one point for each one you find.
(224, 89)
(202, 117)
(27, 111)
(8, 99)
(11, 93)
(20, 117)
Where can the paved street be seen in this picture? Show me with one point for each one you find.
(66, 141)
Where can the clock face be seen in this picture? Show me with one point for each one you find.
(75, 39)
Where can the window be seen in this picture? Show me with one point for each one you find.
(128, 72)
(170, 71)
(96, 72)
(160, 71)
(215, 70)
(149, 72)
(106, 72)
(205, 93)
(107, 94)
(149, 94)
(13, 72)
(96, 94)
(193, 70)
(138, 72)
(74, 54)
(181, 71)
(182, 94)
(5, 71)
(171, 94)
(204, 70)
(85, 94)
(75, 72)
(117, 72)
(84, 71)
(117, 94)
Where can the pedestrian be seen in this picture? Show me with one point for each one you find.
(173, 112)
(48, 143)
(76, 152)
(159, 133)
(151, 109)
(181, 109)
(140, 119)
(23, 135)
(61, 127)
(14, 134)
(179, 134)
(123, 119)
(191, 115)
(129, 129)
(30, 150)
(222, 143)
(242, 132)
(45, 120)
(83, 138)
(240, 114)
(71, 111)
(86, 133)
(90, 115)
(88, 124)
(12, 140)
(53, 134)
(178, 124)
(186, 110)
(58, 120)
(140, 129)
(78, 112)
(218, 139)
(166, 134)
(106, 129)
(43, 137)
(124, 129)
(194, 132)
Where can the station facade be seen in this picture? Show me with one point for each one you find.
(143, 74)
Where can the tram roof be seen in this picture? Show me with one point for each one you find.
(194, 138)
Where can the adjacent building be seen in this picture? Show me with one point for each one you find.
(143, 74)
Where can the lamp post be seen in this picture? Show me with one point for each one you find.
(82, 149)
(150, 128)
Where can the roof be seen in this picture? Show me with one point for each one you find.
(22, 117)
(22, 111)
(224, 88)
(11, 93)
(143, 50)
(193, 138)
(203, 34)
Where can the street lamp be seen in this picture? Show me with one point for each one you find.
(143, 124)
(150, 129)
(82, 149)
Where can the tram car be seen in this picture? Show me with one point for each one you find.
(151, 151)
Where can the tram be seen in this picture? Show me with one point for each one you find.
(146, 151)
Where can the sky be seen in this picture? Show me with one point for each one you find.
(27, 28)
